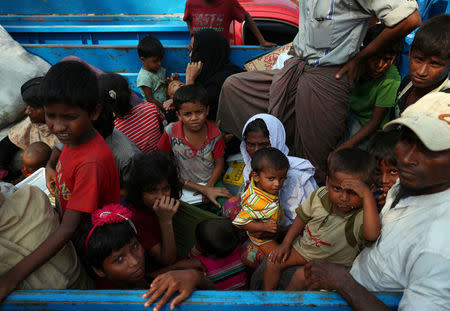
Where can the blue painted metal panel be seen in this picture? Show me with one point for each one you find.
(170, 29)
(125, 60)
(91, 7)
(200, 300)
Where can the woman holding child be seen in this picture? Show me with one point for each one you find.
(262, 131)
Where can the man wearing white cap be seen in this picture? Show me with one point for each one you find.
(412, 253)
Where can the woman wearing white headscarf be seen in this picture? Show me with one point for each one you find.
(262, 131)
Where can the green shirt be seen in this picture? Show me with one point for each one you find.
(380, 92)
(155, 81)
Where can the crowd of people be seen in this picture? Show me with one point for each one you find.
(328, 199)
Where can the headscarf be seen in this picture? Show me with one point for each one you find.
(212, 48)
(299, 182)
(277, 137)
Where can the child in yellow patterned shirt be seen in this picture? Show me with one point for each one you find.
(261, 211)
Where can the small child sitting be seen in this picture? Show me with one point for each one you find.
(217, 253)
(373, 96)
(382, 148)
(151, 79)
(337, 220)
(196, 143)
(112, 250)
(153, 190)
(261, 211)
(429, 63)
(35, 156)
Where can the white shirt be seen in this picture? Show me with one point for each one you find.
(412, 253)
(330, 32)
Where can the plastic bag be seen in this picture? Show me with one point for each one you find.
(17, 66)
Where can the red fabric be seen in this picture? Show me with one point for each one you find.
(142, 126)
(177, 131)
(216, 15)
(87, 177)
(227, 273)
(147, 226)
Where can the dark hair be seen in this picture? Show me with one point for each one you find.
(392, 48)
(353, 161)
(382, 146)
(105, 121)
(39, 149)
(190, 93)
(216, 237)
(71, 83)
(433, 37)
(103, 241)
(150, 46)
(115, 93)
(147, 172)
(269, 157)
(30, 91)
(256, 126)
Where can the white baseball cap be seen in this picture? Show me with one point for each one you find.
(429, 119)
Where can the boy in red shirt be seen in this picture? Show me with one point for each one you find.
(86, 174)
(218, 15)
(196, 143)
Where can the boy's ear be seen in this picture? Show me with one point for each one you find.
(255, 176)
(207, 110)
(142, 59)
(99, 272)
(326, 182)
(96, 113)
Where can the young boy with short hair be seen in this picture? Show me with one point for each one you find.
(336, 220)
(374, 94)
(151, 79)
(382, 148)
(261, 210)
(429, 63)
(86, 174)
(217, 15)
(196, 143)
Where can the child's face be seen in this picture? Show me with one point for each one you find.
(71, 124)
(427, 71)
(125, 265)
(255, 141)
(173, 87)
(377, 65)
(386, 175)
(343, 200)
(151, 195)
(193, 115)
(270, 180)
(152, 63)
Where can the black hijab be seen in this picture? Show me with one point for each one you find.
(212, 48)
